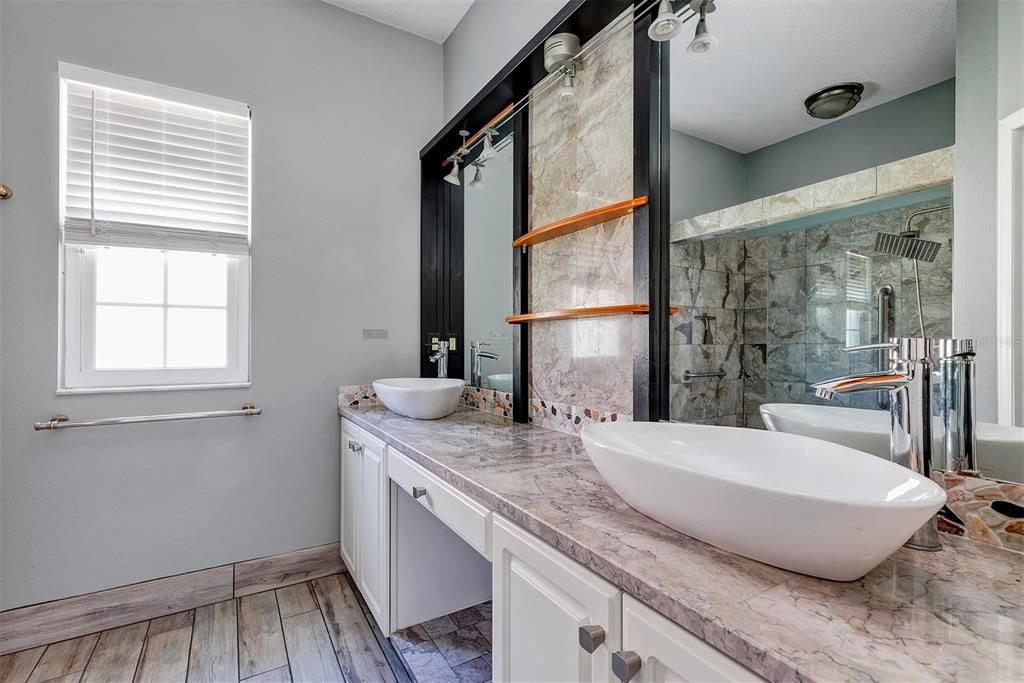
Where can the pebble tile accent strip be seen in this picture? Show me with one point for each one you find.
(984, 510)
(562, 417)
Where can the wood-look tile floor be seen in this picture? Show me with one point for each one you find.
(453, 648)
(307, 633)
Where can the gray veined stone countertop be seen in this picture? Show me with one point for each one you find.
(956, 615)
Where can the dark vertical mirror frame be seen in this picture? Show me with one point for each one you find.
(442, 227)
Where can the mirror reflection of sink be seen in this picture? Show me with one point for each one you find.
(798, 503)
(1000, 447)
(424, 398)
(500, 382)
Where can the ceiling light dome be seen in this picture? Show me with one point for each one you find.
(833, 101)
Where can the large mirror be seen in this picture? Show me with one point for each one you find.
(487, 267)
(811, 210)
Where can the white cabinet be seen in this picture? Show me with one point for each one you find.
(365, 527)
(541, 601)
(664, 651)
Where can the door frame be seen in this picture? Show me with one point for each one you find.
(1009, 267)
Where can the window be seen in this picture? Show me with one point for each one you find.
(155, 192)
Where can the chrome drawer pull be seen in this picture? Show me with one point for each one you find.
(591, 638)
(419, 491)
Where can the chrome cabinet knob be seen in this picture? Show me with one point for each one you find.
(5, 191)
(591, 638)
(419, 491)
(625, 665)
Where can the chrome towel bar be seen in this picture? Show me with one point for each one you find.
(687, 375)
(64, 422)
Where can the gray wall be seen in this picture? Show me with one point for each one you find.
(488, 261)
(704, 176)
(490, 34)
(916, 123)
(990, 86)
(336, 128)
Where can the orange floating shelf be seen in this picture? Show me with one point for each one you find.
(581, 221)
(587, 312)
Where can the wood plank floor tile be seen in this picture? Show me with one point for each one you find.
(295, 600)
(214, 656)
(49, 622)
(69, 678)
(165, 654)
(360, 655)
(17, 667)
(310, 652)
(277, 571)
(260, 639)
(67, 657)
(117, 654)
(172, 622)
(281, 675)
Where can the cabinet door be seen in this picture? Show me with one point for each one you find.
(541, 599)
(351, 481)
(373, 532)
(668, 652)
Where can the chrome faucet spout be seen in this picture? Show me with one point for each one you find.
(908, 381)
(441, 358)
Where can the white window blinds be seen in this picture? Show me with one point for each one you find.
(151, 166)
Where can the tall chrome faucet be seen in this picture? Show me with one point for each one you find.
(440, 356)
(909, 382)
(477, 355)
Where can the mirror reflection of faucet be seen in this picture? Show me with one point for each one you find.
(908, 381)
(440, 356)
(478, 354)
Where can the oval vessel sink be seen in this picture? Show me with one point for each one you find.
(502, 381)
(791, 501)
(1000, 447)
(424, 398)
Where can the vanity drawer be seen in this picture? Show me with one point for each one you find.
(464, 516)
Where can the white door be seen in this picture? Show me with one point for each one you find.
(541, 600)
(351, 480)
(664, 651)
(373, 531)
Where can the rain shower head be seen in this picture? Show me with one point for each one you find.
(907, 245)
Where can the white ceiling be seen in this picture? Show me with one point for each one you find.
(772, 54)
(430, 19)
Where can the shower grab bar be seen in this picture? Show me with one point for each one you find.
(884, 307)
(687, 376)
(64, 422)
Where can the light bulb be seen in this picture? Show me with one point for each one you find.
(567, 91)
(453, 177)
(666, 25)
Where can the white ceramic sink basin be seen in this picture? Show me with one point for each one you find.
(424, 398)
(1000, 447)
(791, 501)
(501, 381)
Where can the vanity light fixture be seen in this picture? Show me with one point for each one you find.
(703, 42)
(453, 175)
(666, 25)
(488, 152)
(478, 174)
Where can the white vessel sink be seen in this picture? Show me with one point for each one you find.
(791, 501)
(1000, 447)
(501, 381)
(424, 398)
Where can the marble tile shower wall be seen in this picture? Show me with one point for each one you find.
(773, 313)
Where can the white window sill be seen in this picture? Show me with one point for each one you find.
(169, 387)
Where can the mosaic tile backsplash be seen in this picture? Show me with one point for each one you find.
(773, 313)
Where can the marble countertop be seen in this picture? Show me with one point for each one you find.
(955, 615)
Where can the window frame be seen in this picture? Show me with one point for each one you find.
(77, 281)
(78, 371)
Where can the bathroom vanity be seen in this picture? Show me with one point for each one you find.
(586, 588)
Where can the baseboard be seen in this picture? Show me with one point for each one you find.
(50, 622)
